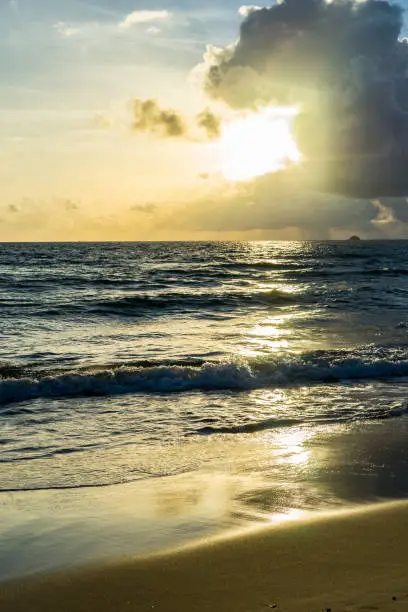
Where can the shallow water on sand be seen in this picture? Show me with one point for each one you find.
(233, 483)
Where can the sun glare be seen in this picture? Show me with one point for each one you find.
(258, 143)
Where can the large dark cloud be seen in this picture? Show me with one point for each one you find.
(345, 64)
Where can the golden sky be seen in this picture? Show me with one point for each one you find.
(83, 159)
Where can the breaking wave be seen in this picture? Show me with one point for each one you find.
(149, 377)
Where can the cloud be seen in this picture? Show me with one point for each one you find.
(397, 207)
(66, 30)
(101, 121)
(148, 208)
(149, 117)
(246, 9)
(70, 205)
(274, 204)
(269, 207)
(210, 123)
(140, 17)
(344, 64)
(65, 219)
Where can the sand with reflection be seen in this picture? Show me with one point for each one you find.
(349, 561)
(243, 480)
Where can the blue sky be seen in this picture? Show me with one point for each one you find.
(51, 51)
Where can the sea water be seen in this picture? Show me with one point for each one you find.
(279, 365)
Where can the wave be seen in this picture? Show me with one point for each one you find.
(350, 274)
(275, 296)
(50, 282)
(235, 375)
(203, 300)
(337, 417)
(144, 304)
(260, 265)
(253, 427)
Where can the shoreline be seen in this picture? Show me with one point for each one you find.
(347, 560)
(269, 479)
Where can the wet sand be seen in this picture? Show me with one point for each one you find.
(241, 481)
(347, 561)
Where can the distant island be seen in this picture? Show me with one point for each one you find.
(354, 238)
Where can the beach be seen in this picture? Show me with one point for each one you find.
(181, 421)
(242, 482)
(353, 560)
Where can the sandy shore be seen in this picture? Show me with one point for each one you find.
(348, 561)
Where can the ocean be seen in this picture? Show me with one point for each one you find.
(271, 375)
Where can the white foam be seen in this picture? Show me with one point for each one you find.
(234, 375)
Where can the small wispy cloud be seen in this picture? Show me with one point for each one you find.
(385, 213)
(65, 29)
(70, 205)
(101, 121)
(153, 30)
(147, 208)
(140, 17)
(14, 5)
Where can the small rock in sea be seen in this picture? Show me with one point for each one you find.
(394, 598)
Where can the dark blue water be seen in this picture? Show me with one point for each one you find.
(116, 358)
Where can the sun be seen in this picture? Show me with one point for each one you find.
(258, 143)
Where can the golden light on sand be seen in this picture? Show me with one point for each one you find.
(294, 514)
(258, 143)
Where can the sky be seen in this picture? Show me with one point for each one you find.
(76, 163)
